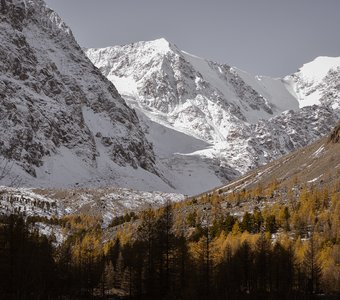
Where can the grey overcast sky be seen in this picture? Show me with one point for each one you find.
(266, 37)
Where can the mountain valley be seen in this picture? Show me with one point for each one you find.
(142, 171)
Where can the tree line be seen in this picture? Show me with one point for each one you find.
(157, 264)
(198, 251)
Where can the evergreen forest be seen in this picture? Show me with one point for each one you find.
(196, 249)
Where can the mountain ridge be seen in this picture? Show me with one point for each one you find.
(247, 120)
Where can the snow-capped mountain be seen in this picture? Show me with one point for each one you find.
(245, 120)
(317, 82)
(189, 124)
(62, 123)
(189, 93)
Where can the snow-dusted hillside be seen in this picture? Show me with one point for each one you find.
(105, 203)
(241, 120)
(62, 123)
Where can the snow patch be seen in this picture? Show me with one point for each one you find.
(318, 152)
(315, 179)
(316, 70)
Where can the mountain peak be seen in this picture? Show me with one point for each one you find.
(160, 45)
(316, 82)
(317, 69)
(161, 42)
(19, 10)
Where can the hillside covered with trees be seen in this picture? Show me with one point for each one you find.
(196, 249)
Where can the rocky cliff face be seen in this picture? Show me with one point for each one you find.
(56, 105)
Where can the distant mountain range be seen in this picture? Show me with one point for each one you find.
(243, 121)
(178, 123)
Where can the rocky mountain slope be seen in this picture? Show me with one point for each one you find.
(104, 203)
(317, 164)
(244, 120)
(62, 123)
